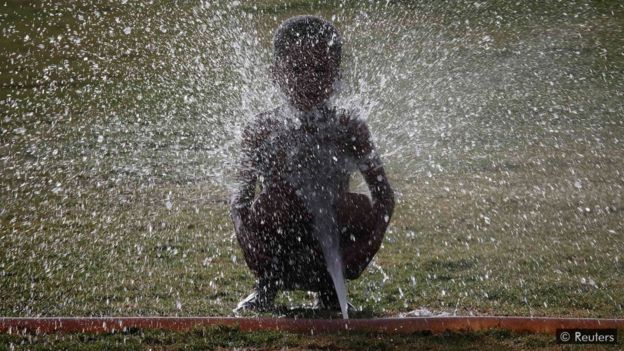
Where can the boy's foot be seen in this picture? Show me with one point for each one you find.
(260, 300)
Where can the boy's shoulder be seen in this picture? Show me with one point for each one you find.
(350, 120)
(261, 126)
(264, 119)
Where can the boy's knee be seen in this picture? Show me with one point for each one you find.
(353, 270)
(359, 201)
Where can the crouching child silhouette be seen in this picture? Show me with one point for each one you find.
(302, 155)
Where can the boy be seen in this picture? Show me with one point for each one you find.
(302, 154)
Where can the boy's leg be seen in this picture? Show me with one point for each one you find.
(278, 245)
(359, 243)
(257, 242)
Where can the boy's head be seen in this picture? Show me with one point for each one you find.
(307, 55)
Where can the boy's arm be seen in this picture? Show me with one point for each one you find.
(245, 183)
(373, 172)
